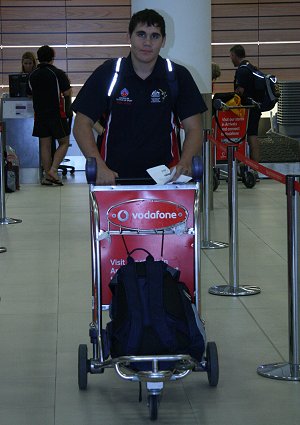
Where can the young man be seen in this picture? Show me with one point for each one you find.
(51, 91)
(244, 86)
(140, 112)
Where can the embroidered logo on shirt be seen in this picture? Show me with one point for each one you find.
(124, 97)
(124, 93)
(158, 96)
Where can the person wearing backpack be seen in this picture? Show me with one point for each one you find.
(244, 86)
(141, 108)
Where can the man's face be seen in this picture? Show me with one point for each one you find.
(146, 43)
(234, 59)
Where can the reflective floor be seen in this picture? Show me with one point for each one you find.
(45, 310)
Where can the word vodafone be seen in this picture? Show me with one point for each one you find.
(156, 214)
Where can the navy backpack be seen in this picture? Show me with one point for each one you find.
(152, 313)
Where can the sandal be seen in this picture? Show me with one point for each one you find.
(46, 182)
(52, 181)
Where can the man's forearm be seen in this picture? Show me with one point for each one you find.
(192, 144)
(85, 139)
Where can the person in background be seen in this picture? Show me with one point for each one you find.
(140, 123)
(244, 86)
(51, 93)
(29, 62)
(215, 74)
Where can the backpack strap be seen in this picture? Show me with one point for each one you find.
(155, 275)
(114, 80)
(196, 327)
(129, 279)
(172, 81)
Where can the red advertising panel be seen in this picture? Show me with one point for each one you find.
(124, 213)
(231, 129)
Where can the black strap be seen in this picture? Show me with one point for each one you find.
(129, 279)
(155, 276)
(227, 137)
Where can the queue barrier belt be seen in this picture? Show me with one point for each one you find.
(275, 175)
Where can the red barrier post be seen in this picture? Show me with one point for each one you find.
(290, 371)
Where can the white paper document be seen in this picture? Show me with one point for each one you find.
(161, 174)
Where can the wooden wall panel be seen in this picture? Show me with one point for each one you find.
(237, 11)
(98, 38)
(99, 12)
(65, 25)
(260, 25)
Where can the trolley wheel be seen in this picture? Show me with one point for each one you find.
(82, 366)
(249, 179)
(212, 364)
(216, 182)
(64, 172)
(72, 172)
(153, 406)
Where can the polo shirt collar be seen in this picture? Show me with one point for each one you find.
(158, 70)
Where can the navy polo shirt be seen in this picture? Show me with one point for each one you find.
(46, 83)
(244, 78)
(139, 127)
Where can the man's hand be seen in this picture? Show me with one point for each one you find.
(182, 168)
(105, 176)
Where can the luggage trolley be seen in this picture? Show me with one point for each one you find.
(227, 127)
(144, 215)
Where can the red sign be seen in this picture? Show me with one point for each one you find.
(147, 214)
(234, 127)
(176, 249)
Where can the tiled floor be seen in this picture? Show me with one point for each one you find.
(45, 311)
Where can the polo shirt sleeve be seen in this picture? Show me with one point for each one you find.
(189, 100)
(63, 81)
(243, 77)
(92, 98)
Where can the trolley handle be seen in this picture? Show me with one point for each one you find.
(218, 105)
(91, 170)
(91, 173)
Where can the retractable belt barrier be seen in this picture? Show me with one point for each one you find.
(289, 371)
(3, 218)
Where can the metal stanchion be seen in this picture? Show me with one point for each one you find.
(3, 218)
(290, 371)
(233, 288)
(207, 243)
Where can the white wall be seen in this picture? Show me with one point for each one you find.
(188, 28)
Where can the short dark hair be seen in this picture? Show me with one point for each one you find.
(149, 17)
(239, 50)
(45, 54)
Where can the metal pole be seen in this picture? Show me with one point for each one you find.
(3, 218)
(207, 243)
(233, 289)
(197, 248)
(290, 371)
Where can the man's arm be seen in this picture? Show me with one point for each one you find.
(68, 101)
(240, 90)
(192, 144)
(84, 136)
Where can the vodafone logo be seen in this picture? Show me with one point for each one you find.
(147, 214)
(122, 215)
